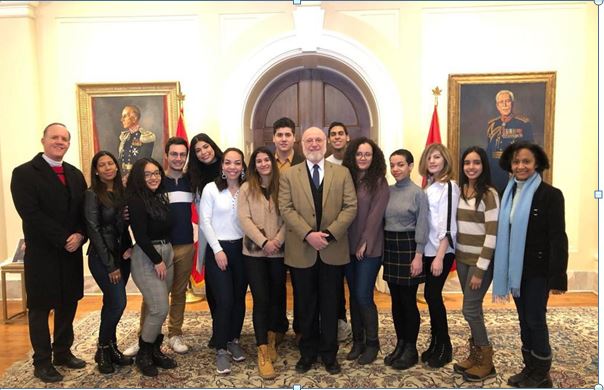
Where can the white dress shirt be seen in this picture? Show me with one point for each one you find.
(437, 199)
(321, 165)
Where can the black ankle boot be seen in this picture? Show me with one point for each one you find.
(407, 359)
(394, 355)
(103, 358)
(159, 359)
(427, 354)
(514, 380)
(443, 352)
(539, 377)
(117, 357)
(358, 347)
(144, 358)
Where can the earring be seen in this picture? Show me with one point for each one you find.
(223, 175)
(96, 173)
(242, 175)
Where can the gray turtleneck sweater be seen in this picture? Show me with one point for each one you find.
(407, 211)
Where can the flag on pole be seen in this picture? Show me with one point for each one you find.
(197, 276)
(433, 134)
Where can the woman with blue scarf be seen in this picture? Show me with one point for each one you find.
(531, 255)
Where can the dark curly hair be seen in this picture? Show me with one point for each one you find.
(100, 188)
(376, 171)
(541, 159)
(156, 203)
(221, 182)
(483, 182)
(199, 173)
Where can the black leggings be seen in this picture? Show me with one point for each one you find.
(433, 292)
(405, 313)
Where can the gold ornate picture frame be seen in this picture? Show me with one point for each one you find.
(473, 117)
(100, 109)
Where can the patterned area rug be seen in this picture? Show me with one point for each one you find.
(573, 332)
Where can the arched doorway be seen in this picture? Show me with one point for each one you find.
(312, 90)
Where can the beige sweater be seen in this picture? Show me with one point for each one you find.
(260, 221)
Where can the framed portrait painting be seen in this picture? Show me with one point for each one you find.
(498, 109)
(129, 120)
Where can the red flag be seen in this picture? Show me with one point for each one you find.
(433, 134)
(180, 127)
(197, 277)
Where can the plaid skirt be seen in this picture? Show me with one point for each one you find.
(399, 251)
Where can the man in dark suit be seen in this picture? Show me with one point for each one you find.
(318, 202)
(48, 195)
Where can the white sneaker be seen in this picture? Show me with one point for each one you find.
(132, 350)
(344, 330)
(177, 345)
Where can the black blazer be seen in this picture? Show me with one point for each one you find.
(107, 230)
(51, 212)
(546, 248)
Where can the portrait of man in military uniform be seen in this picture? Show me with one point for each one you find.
(495, 110)
(135, 142)
(503, 131)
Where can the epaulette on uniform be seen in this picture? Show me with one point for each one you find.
(493, 120)
(522, 118)
(123, 135)
(147, 136)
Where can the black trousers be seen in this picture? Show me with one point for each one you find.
(433, 292)
(39, 332)
(317, 291)
(405, 313)
(267, 281)
(228, 288)
(532, 308)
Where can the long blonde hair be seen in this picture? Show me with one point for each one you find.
(446, 173)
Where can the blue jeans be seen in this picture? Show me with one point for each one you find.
(114, 296)
(360, 276)
(228, 288)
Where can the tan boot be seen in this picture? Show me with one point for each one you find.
(469, 362)
(272, 346)
(484, 368)
(265, 367)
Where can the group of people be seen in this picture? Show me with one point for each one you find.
(322, 219)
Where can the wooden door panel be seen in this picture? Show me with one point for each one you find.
(310, 97)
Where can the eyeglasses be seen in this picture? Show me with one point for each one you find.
(149, 175)
(367, 155)
(317, 140)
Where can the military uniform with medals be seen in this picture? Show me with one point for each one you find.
(134, 146)
(501, 135)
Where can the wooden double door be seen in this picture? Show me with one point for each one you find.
(310, 97)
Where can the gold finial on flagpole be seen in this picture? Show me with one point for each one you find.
(436, 92)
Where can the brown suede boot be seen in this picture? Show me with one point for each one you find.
(272, 346)
(484, 367)
(469, 362)
(265, 367)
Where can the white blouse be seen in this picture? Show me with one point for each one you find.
(218, 216)
(437, 199)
